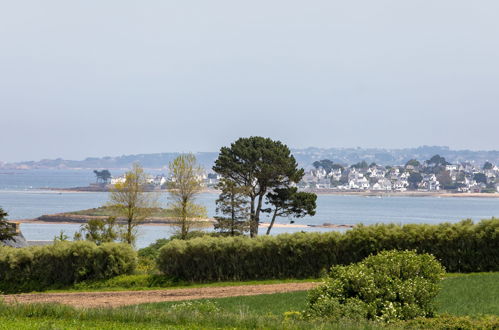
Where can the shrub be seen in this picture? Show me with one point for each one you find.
(460, 247)
(62, 264)
(297, 255)
(393, 285)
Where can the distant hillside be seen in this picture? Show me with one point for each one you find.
(305, 158)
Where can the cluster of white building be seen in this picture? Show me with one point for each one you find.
(380, 178)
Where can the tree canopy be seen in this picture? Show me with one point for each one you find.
(289, 202)
(130, 200)
(488, 166)
(102, 176)
(7, 231)
(261, 164)
(184, 184)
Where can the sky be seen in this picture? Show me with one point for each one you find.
(97, 78)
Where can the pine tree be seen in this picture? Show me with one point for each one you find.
(234, 204)
(7, 231)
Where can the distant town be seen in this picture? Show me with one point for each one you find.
(432, 175)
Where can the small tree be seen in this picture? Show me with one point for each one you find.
(99, 231)
(130, 200)
(232, 202)
(102, 176)
(184, 184)
(289, 202)
(7, 231)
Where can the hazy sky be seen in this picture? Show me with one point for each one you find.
(95, 78)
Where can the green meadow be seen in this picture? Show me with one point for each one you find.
(466, 301)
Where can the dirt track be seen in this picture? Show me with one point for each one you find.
(121, 298)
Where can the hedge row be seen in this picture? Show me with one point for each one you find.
(461, 247)
(62, 264)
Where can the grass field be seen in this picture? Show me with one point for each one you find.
(471, 295)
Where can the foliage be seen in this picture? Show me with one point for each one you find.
(61, 237)
(184, 184)
(99, 231)
(233, 203)
(108, 211)
(480, 178)
(299, 255)
(102, 176)
(260, 164)
(130, 200)
(488, 166)
(392, 285)
(289, 202)
(437, 160)
(413, 163)
(327, 165)
(460, 247)
(61, 264)
(360, 165)
(7, 231)
(414, 179)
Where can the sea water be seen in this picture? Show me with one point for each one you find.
(23, 197)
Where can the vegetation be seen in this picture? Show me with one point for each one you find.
(99, 231)
(389, 286)
(6, 229)
(62, 264)
(275, 311)
(102, 176)
(261, 165)
(233, 205)
(109, 211)
(461, 247)
(130, 201)
(289, 202)
(185, 183)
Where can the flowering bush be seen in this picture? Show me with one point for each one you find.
(393, 285)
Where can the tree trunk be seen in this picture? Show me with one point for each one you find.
(252, 218)
(272, 222)
(257, 214)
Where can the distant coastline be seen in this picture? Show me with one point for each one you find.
(367, 193)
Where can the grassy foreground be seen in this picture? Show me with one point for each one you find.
(470, 295)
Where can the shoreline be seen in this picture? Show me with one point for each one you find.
(205, 222)
(369, 193)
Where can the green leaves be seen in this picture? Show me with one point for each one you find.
(392, 285)
(261, 164)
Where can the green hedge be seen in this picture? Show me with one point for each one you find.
(460, 247)
(62, 264)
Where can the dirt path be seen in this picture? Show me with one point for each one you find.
(121, 298)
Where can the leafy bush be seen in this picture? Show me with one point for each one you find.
(61, 264)
(393, 285)
(460, 247)
(240, 258)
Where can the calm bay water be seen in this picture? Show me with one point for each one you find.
(22, 198)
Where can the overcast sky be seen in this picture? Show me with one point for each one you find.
(96, 78)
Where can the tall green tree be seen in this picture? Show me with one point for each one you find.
(233, 205)
(261, 164)
(289, 202)
(414, 179)
(184, 184)
(7, 231)
(130, 200)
